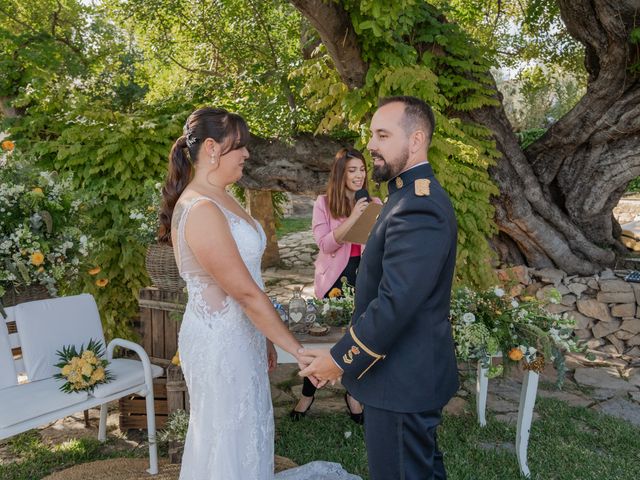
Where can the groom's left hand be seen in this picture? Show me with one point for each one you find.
(322, 367)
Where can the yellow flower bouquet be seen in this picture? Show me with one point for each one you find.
(82, 369)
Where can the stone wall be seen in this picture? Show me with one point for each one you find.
(604, 306)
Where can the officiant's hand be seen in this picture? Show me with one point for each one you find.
(322, 367)
(359, 207)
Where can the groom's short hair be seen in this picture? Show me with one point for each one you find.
(417, 114)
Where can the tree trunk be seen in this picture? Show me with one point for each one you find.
(260, 206)
(556, 198)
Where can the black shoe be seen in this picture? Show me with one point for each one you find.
(356, 417)
(296, 415)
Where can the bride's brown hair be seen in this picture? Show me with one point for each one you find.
(228, 129)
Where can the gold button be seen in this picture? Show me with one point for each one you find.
(399, 182)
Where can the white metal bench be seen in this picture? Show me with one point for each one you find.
(30, 336)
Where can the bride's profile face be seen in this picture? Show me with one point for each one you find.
(232, 163)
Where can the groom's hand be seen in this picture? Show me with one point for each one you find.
(303, 362)
(322, 367)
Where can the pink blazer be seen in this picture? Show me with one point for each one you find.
(333, 256)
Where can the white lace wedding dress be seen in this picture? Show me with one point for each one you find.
(224, 361)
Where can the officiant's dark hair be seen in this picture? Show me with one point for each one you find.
(338, 202)
(228, 129)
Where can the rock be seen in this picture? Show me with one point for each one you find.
(595, 343)
(611, 350)
(602, 377)
(623, 335)
(636, 290)
(570, 398)
(557, 308)
(616, 297)
(500, 447)
(577, 289)
(532, 288)
(592, 283)
(633, 353)
(633, 376)
(631, 325)
(519, 274)
(583, 334)
(602, 329)
(615, 286)
(582, 321)
(498, 405)
(594, 309)
(616, 342)
(546, 292)
(624, 310)
(607, 274)
(550, 275)
(457, 406)
(569, 300)
(621, 408)
(634, 341)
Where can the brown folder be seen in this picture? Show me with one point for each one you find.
(360, 230)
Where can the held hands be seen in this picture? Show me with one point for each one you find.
(321, 368)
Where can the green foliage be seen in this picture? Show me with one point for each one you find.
(111, 154)
(410, 51)
(527, 137)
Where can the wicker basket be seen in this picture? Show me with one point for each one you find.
(14, 296)
(162, 268)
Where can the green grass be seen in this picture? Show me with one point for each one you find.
(566, 443)
(36, 460)
(291, 225)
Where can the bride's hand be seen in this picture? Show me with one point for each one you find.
(272, 356)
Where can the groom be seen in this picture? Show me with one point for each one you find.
(398, 356)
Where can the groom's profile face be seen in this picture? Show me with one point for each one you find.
(389, 143)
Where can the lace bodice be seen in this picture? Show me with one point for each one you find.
(250, 240)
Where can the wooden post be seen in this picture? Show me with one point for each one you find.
(260, 206)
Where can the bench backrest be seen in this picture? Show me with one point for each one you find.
(8, 349)
(45, 326)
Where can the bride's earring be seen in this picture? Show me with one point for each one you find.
(213, 160)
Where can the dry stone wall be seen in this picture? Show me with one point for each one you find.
(604, 306)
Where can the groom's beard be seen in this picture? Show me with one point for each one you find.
(388, 170)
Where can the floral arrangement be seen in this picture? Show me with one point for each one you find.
(338, 308)
(82, 370)
(41, 241)
(145, 213)
(488, 323)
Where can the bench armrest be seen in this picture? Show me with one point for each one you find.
(144, 358)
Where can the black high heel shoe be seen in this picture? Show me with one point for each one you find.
(296, 415)
(356, 417)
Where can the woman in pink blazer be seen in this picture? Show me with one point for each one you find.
(333, 215)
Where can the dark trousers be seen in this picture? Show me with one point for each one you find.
(349, 272)
(403, 446)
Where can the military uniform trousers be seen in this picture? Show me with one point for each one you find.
(403, 446)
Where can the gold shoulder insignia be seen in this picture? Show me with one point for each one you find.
(399, 183)
(422, 188)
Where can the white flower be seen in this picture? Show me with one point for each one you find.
(468, 318)
(514, 303)
(498, 292)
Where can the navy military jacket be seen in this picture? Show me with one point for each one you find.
(399, 354)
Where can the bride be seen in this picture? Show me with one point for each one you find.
(229, 326)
